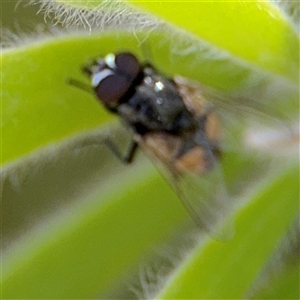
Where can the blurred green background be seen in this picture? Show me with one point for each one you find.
(80, 223)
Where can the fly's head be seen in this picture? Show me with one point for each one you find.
(146, 100)
(114, 78)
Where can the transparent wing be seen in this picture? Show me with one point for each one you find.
(228, 103)
(206, 199)
(203, 195)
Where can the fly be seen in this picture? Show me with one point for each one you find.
(173, 123)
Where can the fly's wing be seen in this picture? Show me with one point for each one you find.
(248, 111)
(206, 199)
(203, 195)
(194, 92)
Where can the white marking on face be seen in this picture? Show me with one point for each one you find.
(98, 77)
(110, 60)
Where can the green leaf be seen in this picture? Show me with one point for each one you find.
(38, 103)
(286, 286)
(226, 270)
(44, 108)
(256, 32)
(76, 223)
(86, 248)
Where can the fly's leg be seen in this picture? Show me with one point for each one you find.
(106, 141)
(129, 156)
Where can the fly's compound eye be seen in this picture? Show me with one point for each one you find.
(115, 77)
(112, 88)
(128, 64)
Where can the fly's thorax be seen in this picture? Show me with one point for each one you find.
(193, 151)
(157, 105)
